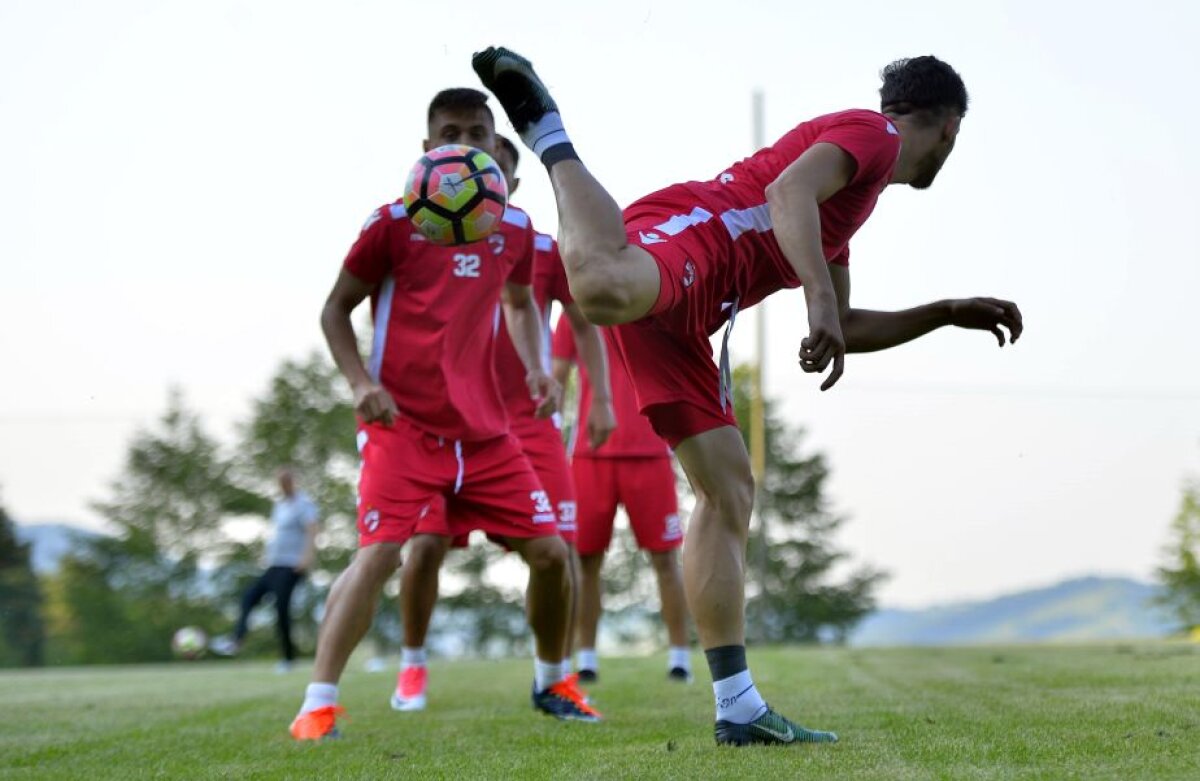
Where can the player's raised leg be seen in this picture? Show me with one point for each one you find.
(611, 280)
(346, 622)
(418, 596)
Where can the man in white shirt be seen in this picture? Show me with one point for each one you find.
(289, 554)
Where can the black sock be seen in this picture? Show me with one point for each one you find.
(726, 661)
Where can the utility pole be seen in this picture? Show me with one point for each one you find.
(758, 429)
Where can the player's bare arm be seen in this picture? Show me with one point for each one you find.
(589, 342)
(371, 402)
(793, 198)
(525, 329)
(868, 330)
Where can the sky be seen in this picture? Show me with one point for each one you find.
(179, 182)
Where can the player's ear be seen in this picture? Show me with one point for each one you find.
(950, 127)
(516, 183)
(426, 146)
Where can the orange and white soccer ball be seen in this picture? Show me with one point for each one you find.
(455, 194)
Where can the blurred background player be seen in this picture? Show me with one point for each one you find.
(539, 436)
(680, 263)
(290, 552)
(632, 469)
(433, 432)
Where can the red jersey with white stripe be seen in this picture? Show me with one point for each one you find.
(633, 437)
(435, 308)
(549, 284)
(728, 223)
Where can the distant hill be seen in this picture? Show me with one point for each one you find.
(1088, 608)
(51, 541)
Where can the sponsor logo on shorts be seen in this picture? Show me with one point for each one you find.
(650, 238)
(674, 528)
(689, 273)
(725, 178)
(371, 520)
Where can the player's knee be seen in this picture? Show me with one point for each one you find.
(378, 561)
(546, 555)
(731, 498)
(600, 289)
(426, 551)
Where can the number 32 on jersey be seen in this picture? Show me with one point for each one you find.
(466, 264)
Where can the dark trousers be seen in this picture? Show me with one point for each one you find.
(280, 581)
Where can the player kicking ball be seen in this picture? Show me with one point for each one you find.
(433, 432)
(633, 469)
(681, 262)
(540, 440)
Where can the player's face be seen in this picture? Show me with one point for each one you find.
(473, 127)
(507, 167)
(933, 160)
(287, 483)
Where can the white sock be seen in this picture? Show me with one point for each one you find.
(737, 699)
(545, 133)
(319, 695)
(587, 659)
(546, 674)
(412, 657)
(679, 656)
(566, 663)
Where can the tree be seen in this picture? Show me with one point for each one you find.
(793, 592)
(1180, 575)
(22, 633)
(120, 597)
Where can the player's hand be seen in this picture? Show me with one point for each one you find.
(988, 314)
(545, 391)
(602, 421)
(824, 343)
(374, 404)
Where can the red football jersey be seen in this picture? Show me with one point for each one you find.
(435, 310)
(633, 437)
(549, 284)
(734, 220)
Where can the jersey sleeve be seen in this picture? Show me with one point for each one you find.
(562, 347)
(370, 259)
(871, 139)
(521, 246)
(550, 278)
(310, 513)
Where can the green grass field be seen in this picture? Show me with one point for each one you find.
(1119, 712)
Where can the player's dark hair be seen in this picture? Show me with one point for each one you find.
(922, 85)
(459, 99)
(510, 147)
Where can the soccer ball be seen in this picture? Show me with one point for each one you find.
(455, 194)
(189, 642)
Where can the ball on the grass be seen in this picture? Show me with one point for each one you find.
(455, 194)
(189, 642)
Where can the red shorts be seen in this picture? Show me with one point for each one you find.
(646, 488)
(542, 443)
(668, 353)
(411, 478)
